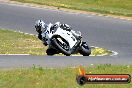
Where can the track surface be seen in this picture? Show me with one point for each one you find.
(107, 32)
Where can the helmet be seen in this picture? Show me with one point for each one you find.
(39, 25)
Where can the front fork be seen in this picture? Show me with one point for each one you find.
(77, 46)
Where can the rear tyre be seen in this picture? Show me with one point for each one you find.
(85, 49)
(64, 48)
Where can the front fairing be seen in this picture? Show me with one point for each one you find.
(67, 36)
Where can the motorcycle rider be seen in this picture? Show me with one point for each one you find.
(41, 27)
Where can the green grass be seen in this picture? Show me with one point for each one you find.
(38, 77)
(19, 43)
(116, 7)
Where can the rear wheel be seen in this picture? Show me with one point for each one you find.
(85, 49)
(61, 44)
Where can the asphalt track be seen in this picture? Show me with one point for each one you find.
(107, 32)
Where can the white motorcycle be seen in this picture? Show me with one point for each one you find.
(63, 41)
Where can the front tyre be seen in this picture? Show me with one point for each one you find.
(51, 52)
(85, 49)
(61, 44)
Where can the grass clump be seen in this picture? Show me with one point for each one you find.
(100, 51)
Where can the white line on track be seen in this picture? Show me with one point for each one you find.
(114, 53)
(14, 54)
(25, 33)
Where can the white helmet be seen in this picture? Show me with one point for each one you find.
(40, 25)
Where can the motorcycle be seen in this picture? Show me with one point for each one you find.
(63, 41)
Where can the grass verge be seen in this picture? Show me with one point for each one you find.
(116, 7)
(19, 43)
(38, 77)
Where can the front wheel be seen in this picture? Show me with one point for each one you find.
(85, 49)
(61, 44)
